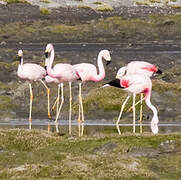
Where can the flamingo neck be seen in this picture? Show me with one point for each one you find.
(101, 70)
(49, 64)
(150, 105)
(21, 61)
(20, 67)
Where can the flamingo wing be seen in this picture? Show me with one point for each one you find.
(85, 71)
(31, 72)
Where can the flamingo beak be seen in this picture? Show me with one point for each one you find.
(108, 62)
(46, 53)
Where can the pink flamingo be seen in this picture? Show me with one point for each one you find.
(64, 73)
(88, 72)
(138, 67)
(136, 83)
(31, 72)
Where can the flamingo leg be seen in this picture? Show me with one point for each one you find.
(62, 101)
(120, 114)
(141, 112)
(55, 103)
(81, 107)
(70, 108)
(141, 100)
(79, 121)
(31, 101)
(58, 98)
(134, 120)
(48, 96)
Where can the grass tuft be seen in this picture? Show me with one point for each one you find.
(45, 11)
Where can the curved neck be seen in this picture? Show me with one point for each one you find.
(101, 70)
(49, 64)
(20, 60)
(150, 105)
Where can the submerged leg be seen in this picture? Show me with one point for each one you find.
(62, 101)
(134, 120)
(141, 113)
(120, 114)
(31, 101)
(70, 108)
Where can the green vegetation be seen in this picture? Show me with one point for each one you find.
(150, 2)
(84, 7)
(152, 28)
(38, 155)
(45, 1)
(104, 7)
(15, 1)
(45, 11)
(98, 2)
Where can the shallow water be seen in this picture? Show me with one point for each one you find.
(91, 124)
(164, 54)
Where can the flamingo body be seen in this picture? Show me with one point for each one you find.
(138, 83)
(88, 72)
(138, 67)
(30, 71)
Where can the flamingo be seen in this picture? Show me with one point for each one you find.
(63, 73)
(88, 72)
(136, 83)
(31, 72)
(138, 67)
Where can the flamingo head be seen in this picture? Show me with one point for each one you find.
(121, 72)
(48, 49)
(106, 55)
(20, 53)
(154, 125)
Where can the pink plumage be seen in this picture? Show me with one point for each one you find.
(89, 72)
(138, 83)
(29, 71)
(58, 74)
(138, 67)
(63, 72)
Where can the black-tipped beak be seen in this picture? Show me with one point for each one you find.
(45, 67)
(19, 58)
(46, 54)
(108, 62)
(114, 83)
(159, 71)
